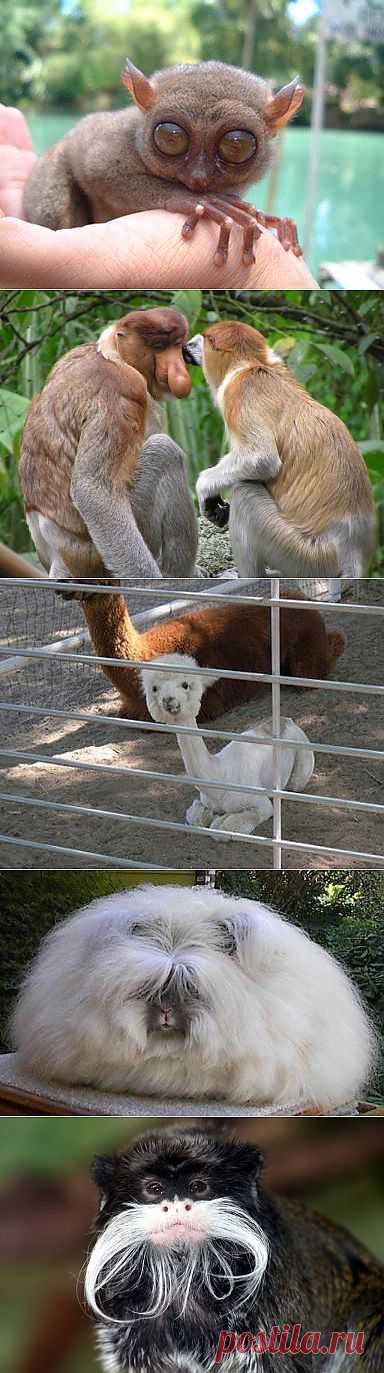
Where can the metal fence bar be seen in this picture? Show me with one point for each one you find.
(234, 673)
(87, 717)
(80, 853)
(339, 607)
(14, 657)
(276, 721)
(178, 826)
(185, 780)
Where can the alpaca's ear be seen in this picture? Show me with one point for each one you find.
(211, 680)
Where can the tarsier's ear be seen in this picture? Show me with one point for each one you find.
(282, 106)
(144, 94)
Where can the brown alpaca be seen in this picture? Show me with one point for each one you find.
(227, 636)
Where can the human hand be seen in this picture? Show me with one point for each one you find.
(16, 159)
(139, 250)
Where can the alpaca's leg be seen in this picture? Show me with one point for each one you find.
(246, 821)
(197, 814)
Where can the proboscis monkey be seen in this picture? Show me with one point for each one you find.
(300, 497)
(98, 499)
(195, 138)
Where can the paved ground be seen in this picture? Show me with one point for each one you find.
(35, 617)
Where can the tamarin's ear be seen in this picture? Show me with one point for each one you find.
(139, 87)
(283, 105)
(103, 1171)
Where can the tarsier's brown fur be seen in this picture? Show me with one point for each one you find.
(109, 165)
(230, 636)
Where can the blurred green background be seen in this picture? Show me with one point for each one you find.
(332, 340)
(47, 1204)
(62, 58)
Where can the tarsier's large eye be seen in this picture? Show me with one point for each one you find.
(171, 139)
(237, 146)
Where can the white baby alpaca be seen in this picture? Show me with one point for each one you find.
(176, 698)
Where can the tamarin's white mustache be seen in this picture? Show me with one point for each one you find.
(125, 1251)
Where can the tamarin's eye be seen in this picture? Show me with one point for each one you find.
(154, 689)
(185, 686)
(153, 1189)
(171, 139)
(199, 1187)
(237, 145)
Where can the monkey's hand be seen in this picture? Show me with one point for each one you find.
(217, 511)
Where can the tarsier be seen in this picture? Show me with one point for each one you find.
(300, 497)
(98, 498)
(197, 136)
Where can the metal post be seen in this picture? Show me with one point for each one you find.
(316, 125)
(276, 722)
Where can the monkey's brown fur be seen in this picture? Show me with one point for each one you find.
(323, 481)
(110, 165)
(230, 636)
(90, 420)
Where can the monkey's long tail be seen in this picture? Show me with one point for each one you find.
(114, 636)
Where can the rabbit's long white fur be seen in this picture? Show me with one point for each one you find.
(272, 1017)
(174, 698)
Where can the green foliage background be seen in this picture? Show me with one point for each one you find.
(332, 340)
(69, 57)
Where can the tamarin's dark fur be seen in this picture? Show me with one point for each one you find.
(196, 136)
(316, 1274)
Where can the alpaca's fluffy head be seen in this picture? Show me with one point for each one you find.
(174, 696)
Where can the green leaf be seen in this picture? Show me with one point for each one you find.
(365, 343)
(190, 303)
(13, 410)
(336, 356)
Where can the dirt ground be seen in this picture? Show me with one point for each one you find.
(34, 618)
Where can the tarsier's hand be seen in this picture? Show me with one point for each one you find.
(229, 210)
(217, 511)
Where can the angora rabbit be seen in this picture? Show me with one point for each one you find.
(190, 993)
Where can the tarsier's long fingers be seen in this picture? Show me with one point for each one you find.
(286, 232)
(286, 229)
(225, 214)
(240, 215)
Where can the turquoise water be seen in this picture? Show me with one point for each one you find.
(349, 219)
